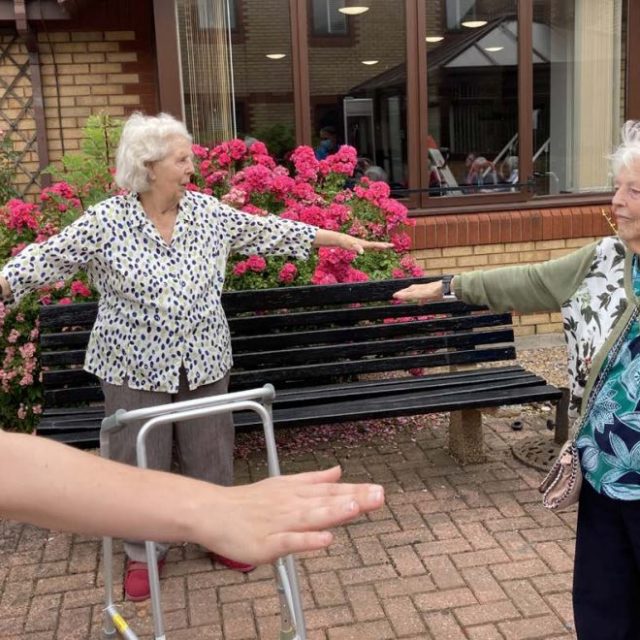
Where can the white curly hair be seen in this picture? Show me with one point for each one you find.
(627, 153)
(144, 139)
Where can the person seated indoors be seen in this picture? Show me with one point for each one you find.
(328, 143)
(259, 522)
(482, 173)
(509, 171)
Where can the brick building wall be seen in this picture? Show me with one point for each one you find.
(85, 73)
(94, 62)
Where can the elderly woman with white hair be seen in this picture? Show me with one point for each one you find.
(597, 288)
(157, 256)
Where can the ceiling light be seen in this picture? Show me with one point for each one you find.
(370, 62)
(353, 11)
(434, 38)
(276, 56)
(473, 24)
(492, 49)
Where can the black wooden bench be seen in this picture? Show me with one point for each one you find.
(321, 347)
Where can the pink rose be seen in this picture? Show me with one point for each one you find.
(288, 273)
(256, 263)
(240, 268)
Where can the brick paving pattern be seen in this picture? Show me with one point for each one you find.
(456, 553)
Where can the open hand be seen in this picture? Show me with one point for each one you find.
(420, 293)
(286, 514)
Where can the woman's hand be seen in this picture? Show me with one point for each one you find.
(327, 238)
(360, 246)
(286, 514)
(420, 293)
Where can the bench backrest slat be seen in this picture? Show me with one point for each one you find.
(303, 336)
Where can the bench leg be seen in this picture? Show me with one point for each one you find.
(466, 442)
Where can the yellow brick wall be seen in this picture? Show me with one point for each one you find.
(454, 260)
(83, 73)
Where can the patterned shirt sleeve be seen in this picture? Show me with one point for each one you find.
(58, 258)
(266, 235)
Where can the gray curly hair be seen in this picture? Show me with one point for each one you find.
(628, 152)
(144, 139)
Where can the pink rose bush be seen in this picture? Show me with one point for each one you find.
(22, 223)
(320, 193)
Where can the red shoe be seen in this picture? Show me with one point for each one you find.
(232, 564)
(136, 580)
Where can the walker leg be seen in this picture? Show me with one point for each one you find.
(117, 621)
(154, 584)
(108, 630)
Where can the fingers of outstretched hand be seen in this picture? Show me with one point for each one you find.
(360, 246)
(281, 544)
(410, 293)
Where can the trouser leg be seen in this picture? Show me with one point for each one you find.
(123, 443)
(205, 445)
(606, 584)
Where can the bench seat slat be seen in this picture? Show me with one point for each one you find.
(86, 434)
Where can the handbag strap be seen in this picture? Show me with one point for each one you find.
(604, 373)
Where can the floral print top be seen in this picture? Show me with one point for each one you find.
(609, 440)
(160, 304)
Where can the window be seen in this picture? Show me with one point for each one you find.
(472, 89)
(359, 92)
(577, 74)
(461, 103)
(327, 20)
(207, 17)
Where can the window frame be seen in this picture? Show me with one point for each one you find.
(417, 116)
(315, 39)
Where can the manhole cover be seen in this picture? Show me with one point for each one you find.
(537, 451)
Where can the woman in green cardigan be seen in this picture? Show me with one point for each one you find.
(597, 289)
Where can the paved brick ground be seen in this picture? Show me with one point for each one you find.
(457, 553)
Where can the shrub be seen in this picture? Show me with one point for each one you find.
(8, 161)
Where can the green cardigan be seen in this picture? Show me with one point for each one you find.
(591, 287)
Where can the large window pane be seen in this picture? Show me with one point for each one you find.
(263, 76)
(358, 84)
(578, 71)
(206, 69)
(256, 99)
(472, 61)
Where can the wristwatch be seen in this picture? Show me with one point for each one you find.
(447, 292)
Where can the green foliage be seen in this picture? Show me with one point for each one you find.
(8, 160)
(90, 170)
(279, 139)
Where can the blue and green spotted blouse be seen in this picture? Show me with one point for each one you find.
(609, 440)
(160, 304)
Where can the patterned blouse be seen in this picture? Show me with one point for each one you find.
(160, 304)
(609, 440)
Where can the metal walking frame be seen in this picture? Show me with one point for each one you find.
(257, 400)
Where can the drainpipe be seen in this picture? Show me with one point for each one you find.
(29, 36)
